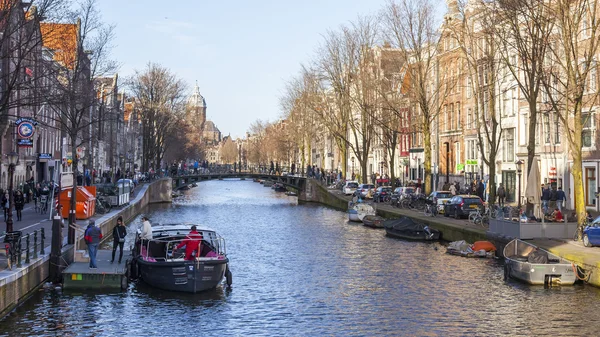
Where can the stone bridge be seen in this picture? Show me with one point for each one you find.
(295, 182)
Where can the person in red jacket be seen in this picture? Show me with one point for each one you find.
(191, 243)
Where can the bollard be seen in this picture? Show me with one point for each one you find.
(42, 252)
(27, 260)
(19, 264)
(35, 245)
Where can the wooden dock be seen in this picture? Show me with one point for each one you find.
(78, 275)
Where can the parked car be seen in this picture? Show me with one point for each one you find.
(382, 193)
(591, 233)
(462, 205)
(363, 189)
(350, 187)
(440, 198)
(401, 193)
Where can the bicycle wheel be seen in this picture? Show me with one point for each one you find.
(472, 216)
(478, 220)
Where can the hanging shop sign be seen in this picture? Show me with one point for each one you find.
(460, 167)
(24, 143)
(25, 130)
(44, 156)
(472, 162)
(25, 127)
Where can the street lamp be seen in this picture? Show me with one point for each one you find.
(13, 157)
(519, 164)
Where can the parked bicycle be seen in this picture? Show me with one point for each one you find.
(431, 209)
(12, 242)
(102, 205)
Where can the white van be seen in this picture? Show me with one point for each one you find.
(350, 187)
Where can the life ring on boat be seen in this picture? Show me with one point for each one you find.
(228, 276)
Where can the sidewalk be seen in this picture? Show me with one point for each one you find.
(587, 258)
(33, 220)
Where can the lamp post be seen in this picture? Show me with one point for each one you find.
(519, 164)
(13, 157)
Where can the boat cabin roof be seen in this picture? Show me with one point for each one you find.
(178, 228)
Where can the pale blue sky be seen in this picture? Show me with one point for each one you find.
(240, 52)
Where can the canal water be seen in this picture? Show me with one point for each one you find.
(303, 270)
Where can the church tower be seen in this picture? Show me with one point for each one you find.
(196, 108)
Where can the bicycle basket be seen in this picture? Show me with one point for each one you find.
(12, 237)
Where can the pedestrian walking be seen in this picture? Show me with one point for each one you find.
(119, 234)
(452, 189)
(19, 204)
(560, 198)
(545, 198)
(5, 204)
(93, 235)
(501, 195)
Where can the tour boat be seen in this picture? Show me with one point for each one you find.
(374, 221)
(407, 229)
(531, 264)
(157, 264)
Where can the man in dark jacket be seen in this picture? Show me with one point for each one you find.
(560, 198)
(545, 198)
(501, 195)
(93, 235)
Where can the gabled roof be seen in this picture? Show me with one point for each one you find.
(62, 39)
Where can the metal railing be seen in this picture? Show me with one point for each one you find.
(31, 245)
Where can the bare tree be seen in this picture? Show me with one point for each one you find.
(572, 81)
(413, 28)
(474, 28)
(81, 49)
(257, 143)
(160, 95)
(524, 34)
(229, 151)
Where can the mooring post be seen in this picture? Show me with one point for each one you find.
(35, 245)
(42, 249)
(55, 248)
(27, 260)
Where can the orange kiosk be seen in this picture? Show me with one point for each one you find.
(85, 202)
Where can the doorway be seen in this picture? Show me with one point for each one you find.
(509, 180)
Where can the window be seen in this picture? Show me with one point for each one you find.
(451, 113)
(587, 119)
(547, 131)
(469, 118)
(458, 116)
(446, 128)
(557, 139)
(509, 145)
(592, 78)
(590, 186)
(523, 128)
(456, 154)
(486, 112)
(469, 87)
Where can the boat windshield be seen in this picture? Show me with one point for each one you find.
(162, 247)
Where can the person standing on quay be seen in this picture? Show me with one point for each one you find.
(501, 195)
(119, 234)
(93, 235)
(19, 204)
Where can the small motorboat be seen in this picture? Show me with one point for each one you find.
(358, 211)
(268, 183)
(291, 193)
(531, 264)
(373, 221)
(194, 185)
(407, 229)
(279, 187)
(160, 265)
(480, 249)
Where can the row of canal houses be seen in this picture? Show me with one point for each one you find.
(35, 56)
(456, 155)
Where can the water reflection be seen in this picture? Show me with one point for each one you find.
(303, 270)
